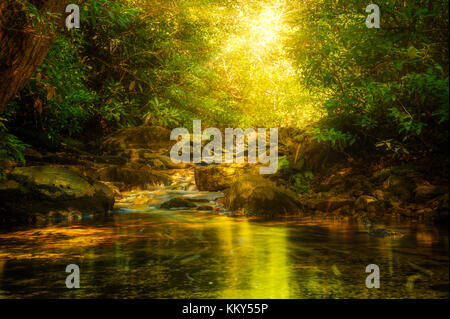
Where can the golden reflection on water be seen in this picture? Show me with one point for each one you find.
(51, 242)
(222, 257)
(255, 269)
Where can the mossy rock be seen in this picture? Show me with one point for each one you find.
(255, 195)
(205, 208)
(177, 203)
(214, 177)
(153, 138)
(39, 190)
(131, 176)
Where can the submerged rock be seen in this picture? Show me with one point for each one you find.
(255, 195)
(177, 203)
(381, 232)
(35, 190)
(205, 208)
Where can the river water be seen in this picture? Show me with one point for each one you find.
(140, 251)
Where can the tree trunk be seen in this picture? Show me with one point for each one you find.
(23, 46)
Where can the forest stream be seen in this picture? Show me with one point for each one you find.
(226, 149)
(142, 251)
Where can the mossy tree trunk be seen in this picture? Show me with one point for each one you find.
(24, 44)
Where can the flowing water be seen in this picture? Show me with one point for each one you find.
(140, 251)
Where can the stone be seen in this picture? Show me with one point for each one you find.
(214, 177)
(130, 176)
(379, 194)
(205, 208)
(152, 138)
(254, 195)
(399, 187)
(362, 203)
(426, 192)
(177, 203)
(381, 232)
(34, 190)
(332, 203)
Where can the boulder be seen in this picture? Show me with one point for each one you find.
(333, 203)
(255, 195)
(38, 190)
(363, 202)
(379, 194)
(177, 203)
(214, 177)
(398, 187)
(305, 153)
(381, 232)
(152, 138)
(132, 176)
(426, 192)
(205, 208)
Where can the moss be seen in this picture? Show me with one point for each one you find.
(177, 203)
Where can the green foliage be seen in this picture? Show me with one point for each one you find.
(303, 181)
(283, 163)
(385, 87)
(69, 101)
(162, 114)
(249, 63)
(337, 139)
(10, 146)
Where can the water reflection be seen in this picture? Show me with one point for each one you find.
(189, 254)
(256, 261)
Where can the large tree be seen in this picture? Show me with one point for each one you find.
(26, 34)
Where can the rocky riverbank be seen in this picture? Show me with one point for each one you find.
(312, 179)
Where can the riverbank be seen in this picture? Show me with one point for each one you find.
(312, 180)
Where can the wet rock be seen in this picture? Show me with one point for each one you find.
(64, 158)
(214, 177)
(363, 202)
(379, 194)
(381, 232)
(6, 166)
(333, 203)
(426, 192)
(205, 208)
(399, 187)
(255, 195)
(104, 194)
(53, 181)
(40, 189)
(152, 138)
(32, 154)
(9, 186)
(150, 158)
(177, 203)
(305, 153)
(346, 210)
(327, 202)
(131, 176)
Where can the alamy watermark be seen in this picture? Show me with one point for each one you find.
(73, 280)
(373, 280)
(373, 19)
(73, 19)
(212, 152)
